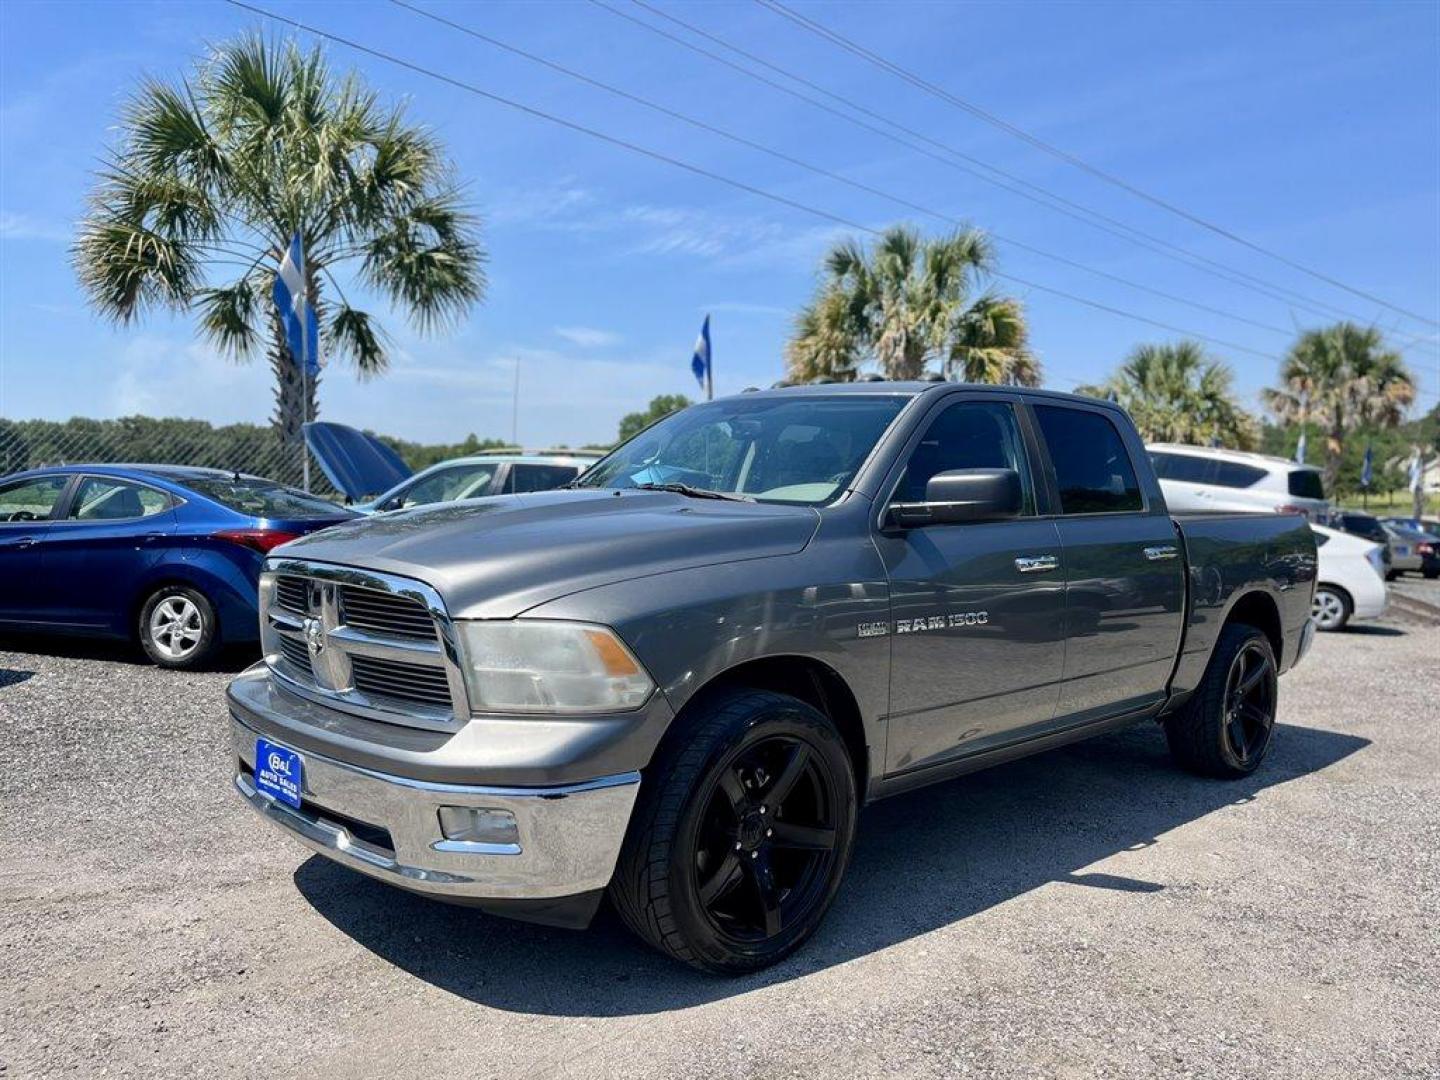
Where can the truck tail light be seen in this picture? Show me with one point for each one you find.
(261, 540)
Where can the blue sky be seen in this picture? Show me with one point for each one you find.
(1313, 129)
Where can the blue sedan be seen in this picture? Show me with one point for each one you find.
(162, 554)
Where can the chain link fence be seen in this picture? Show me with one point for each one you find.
(246, 448)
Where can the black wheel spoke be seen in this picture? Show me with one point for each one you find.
(799, 758)
(726, 876)
(1238, 740)
(735, 793)
(1255, 717)
(1250, 680)
(787, 834)
(766, 891)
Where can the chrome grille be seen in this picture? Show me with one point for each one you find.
(292, 594)
(385, 613)
(374, 644)
(296, 654)
(403, 682)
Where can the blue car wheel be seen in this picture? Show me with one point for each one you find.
(178, 627)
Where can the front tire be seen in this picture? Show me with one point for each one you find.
(742, 833)
(178, 627)
(1225, 729)
(1331, 608)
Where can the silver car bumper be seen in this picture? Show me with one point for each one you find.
(568, 837)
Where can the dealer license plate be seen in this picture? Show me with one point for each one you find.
(278, 772)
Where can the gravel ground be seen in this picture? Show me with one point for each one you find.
(1090, 912)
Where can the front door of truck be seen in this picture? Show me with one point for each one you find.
(977, 641)
(1124, 567)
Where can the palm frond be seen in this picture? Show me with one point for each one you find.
(354, 336)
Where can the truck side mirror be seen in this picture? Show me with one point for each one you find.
(963, 495)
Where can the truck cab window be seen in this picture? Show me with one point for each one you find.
(967, 435)
(1092, 466)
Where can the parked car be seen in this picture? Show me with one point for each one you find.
(1367, 527)
(165, 555)
(1351, 580)
(1412, 551)
(681, 680)
(483, 474)
(1211, 478)
(1420, 524)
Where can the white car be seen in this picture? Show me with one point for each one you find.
(1350, 582)
(1210, 478)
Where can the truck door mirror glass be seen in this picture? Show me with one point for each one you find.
(963, 495)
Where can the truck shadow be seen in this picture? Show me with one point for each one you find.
(922, 861)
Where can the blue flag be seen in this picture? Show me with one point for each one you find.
(1367, 468)
(700, 362)
(1300, 449)
(302, 328)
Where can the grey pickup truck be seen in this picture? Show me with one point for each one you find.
(679, 680)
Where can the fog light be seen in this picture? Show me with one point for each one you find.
(479, 825)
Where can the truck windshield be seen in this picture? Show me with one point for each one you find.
(791, 449)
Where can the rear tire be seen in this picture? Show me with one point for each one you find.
(742, 832)
(1331, 608)
(178, 628)
(1225, 729)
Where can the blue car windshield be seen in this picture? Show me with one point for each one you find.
(792, 449)
(264, 498)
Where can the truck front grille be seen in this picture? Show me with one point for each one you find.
(375, 644)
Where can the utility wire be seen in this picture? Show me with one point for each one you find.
(852, 47)
(820, 171)
(957, 159)
(698, 170)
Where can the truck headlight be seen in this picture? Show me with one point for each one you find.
(549, 667)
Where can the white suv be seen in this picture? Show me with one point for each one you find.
(1208, 478)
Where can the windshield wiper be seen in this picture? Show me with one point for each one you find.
(694, 492)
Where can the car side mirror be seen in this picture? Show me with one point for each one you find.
(963, 495)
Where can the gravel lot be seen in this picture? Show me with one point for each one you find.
(1090, 912)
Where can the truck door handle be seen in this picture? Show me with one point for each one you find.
(1036, 564)
(1161, 551)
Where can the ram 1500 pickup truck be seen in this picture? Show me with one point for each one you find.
(680, 680)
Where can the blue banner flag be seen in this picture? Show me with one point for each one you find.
(700, 362)
(1367, 468)
(302, 328)
(1417, 472)
(1300, 449)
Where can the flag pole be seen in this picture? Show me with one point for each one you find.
(709, 364)
(304, 409)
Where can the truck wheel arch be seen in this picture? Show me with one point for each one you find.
(1257, 608)
(813, 682)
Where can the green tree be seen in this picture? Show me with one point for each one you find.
(1343, 378)
(210, 177)
(1176, 393)
(631, 424)
(905, 303)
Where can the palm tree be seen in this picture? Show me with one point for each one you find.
(906, 302)
(1341, 377)
(1176, 393)
(211, 176)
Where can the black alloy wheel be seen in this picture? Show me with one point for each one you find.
(1250, 693)
(741, 833)
(767, 838)
(1228, 725)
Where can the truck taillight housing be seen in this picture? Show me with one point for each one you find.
(261, 540)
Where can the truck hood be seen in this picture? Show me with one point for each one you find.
(496, 557)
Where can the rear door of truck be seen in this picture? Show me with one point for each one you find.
(1123, 562)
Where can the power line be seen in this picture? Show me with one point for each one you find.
(821, 171)
(957, 159)
(698, 170)
(1020, 133)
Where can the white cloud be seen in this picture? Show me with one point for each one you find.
(164, 377)
(588, 337)
(15, 226)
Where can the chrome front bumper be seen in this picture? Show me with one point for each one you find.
(569, 836)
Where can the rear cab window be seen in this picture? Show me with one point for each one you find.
(264, 498)
(1092, 467)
